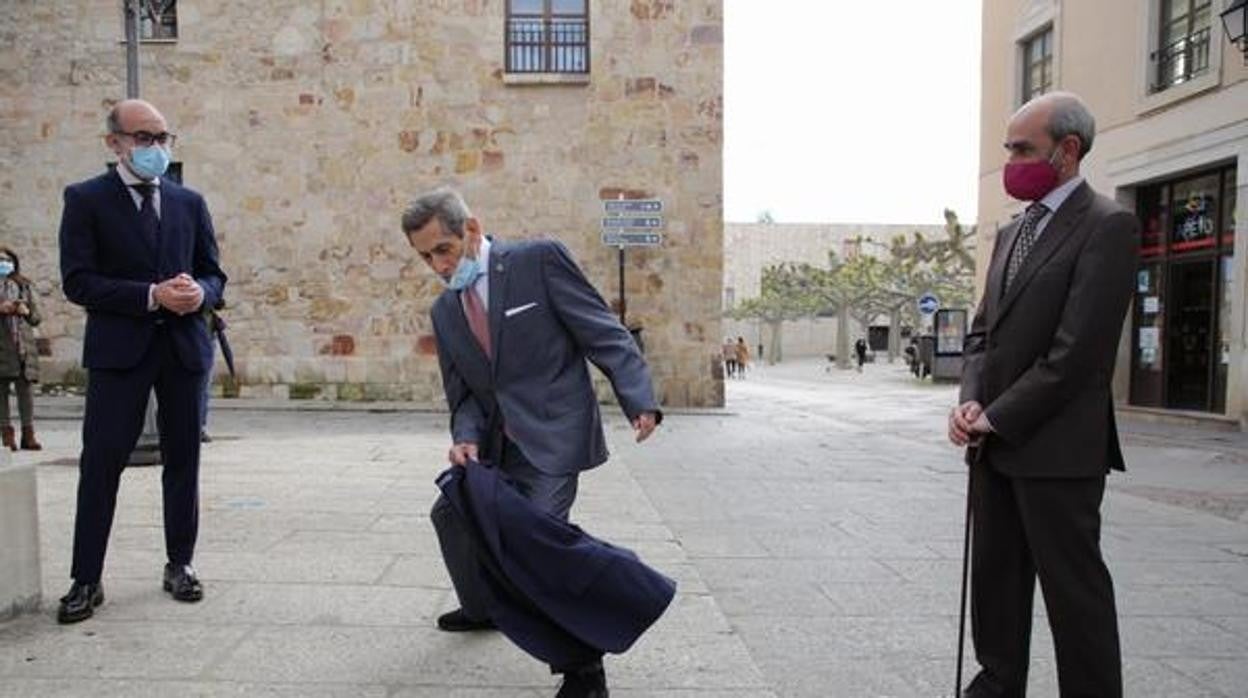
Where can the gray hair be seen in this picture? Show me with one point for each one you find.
(442, 203)
(1070, 117)
(113, 122)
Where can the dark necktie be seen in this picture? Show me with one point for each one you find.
(1025, 241)
(474, 310)
(148, 219)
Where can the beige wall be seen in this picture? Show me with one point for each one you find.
(308, 126)
(1102, 53)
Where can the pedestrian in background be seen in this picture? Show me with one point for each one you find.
(743, 357)
(19, 358)
(860, 352)
(729, 351)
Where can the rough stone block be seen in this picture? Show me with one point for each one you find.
(19, 538)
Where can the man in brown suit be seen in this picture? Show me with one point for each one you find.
(1036, 412)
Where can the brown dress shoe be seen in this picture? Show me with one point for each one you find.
(7, 438)
(29, 443)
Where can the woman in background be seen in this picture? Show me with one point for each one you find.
(19, 359)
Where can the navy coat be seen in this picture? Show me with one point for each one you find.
(562, 595)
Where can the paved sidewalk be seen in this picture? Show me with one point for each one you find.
(814, 526)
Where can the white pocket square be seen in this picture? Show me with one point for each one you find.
(518, 309)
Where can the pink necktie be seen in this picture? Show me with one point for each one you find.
(477, 320)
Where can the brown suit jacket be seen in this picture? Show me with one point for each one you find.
(1040, 357)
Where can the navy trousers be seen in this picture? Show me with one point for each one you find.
(116, 404)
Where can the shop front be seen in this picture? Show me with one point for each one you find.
(1181, 324)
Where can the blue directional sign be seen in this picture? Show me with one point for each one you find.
(635, 222)
(618, 206)
(623, 238)
(928, 303)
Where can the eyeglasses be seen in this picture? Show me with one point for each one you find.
(146, 138)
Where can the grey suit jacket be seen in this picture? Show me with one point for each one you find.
(546, 319)
(1040, 356)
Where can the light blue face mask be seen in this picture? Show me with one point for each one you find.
(6, 267)
(149, 162)
(466, 272)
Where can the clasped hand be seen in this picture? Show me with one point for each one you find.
(14, 308)
(181, 294)
(968, 423)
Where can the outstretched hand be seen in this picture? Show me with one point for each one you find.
(644, 425)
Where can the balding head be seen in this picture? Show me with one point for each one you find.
(1062, 114)
(130, 115)
(136, 124)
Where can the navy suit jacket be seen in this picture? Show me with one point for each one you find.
(545, 319)
(107, 265)
(560, 594)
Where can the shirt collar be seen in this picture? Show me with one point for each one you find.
(484, 254)
(1054, 199)
(130, 179)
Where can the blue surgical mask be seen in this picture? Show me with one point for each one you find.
(466, 272)
(6, 268)
(149, 162)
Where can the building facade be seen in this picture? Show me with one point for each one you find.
(749, 248)
(308, 127)
(1170, 95)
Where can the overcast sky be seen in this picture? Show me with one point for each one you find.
(850, 112)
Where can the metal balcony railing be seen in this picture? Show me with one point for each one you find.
(1182, 60)
(547, 44)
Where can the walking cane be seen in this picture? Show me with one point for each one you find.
(966, 558)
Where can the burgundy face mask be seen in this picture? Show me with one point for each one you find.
(1030, 181)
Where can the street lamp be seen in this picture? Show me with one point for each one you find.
(1235, 22)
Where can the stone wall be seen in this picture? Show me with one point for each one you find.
(308, 126)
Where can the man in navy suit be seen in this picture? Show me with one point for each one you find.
(514, 328)
(139, 254)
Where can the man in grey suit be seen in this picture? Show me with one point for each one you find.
(514, 328)
(1037, 413)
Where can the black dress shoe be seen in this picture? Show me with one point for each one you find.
(986, 685)
(79, 604)
(458, 622)
(586, 683)
(182, 584)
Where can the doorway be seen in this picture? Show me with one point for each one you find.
(1190, 335)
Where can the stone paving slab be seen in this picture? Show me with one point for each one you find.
(814, 528)
(323, 578)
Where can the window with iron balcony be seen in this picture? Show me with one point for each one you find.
(1183, 41)
(548, 38)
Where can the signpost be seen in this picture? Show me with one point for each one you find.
(631, 223)
(147, 450)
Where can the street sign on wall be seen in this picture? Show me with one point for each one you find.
(631, 238)
(632, 222)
